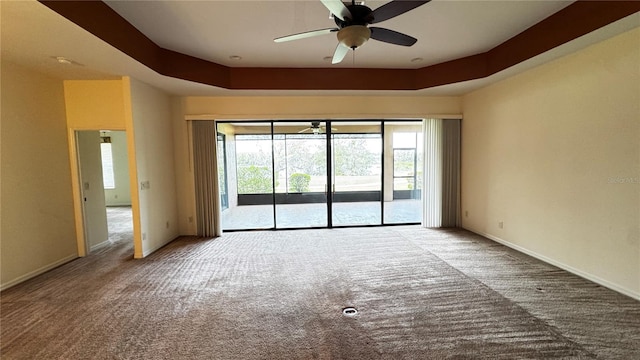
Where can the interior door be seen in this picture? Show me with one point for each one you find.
(92, 188)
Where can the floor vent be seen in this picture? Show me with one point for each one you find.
(349, 311)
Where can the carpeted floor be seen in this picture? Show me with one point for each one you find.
(420, 294)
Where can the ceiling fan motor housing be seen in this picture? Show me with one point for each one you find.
(360, 15)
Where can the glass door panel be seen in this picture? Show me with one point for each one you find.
(222, 170)
(249, 176)
(403, 174)
(356, 172)
(300, 150)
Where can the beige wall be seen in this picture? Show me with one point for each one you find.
(554, 154)
(95, 104)
(37, 231)
(154, 154)
(321, 107)
(183, 162)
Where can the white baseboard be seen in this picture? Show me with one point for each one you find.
(562, 266)
(37, 272)
(164, 243)
(100, 245)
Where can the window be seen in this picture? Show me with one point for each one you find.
(108, 177)
(407, 154)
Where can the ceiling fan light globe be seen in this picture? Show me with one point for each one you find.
(354, 36)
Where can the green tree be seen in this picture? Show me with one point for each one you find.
(353, 158)
(306, 156)
(254, 180)
(299, 182)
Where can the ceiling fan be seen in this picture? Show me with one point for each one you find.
(352, 21)
(315, 128)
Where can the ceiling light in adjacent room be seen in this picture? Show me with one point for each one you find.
(235, 57)
(63, 60)
(417, 60)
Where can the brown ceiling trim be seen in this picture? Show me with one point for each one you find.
(450, 72)
(322, 79)
(186, 67)
(575, 20)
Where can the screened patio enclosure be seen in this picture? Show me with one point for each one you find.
(309, 174)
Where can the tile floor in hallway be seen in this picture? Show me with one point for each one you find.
(120, 223)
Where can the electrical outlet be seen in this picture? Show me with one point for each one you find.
(167, 224)
(145, 185)
(466, 214)
(144, 236)
(190, 219)
(500, 225)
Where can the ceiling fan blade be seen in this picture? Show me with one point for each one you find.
(305, 35)
(391, 37)
(339, 54)
(337, 8)
(304, 130)
(394, 8)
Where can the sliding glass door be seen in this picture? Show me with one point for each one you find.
(356, 164)
(249, 177)
(314, 174)
(300, 151)
(403, 175)
(221, 144)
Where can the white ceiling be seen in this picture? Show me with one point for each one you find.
(215, 30)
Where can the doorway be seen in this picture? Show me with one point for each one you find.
(313, 174)
(105, 191)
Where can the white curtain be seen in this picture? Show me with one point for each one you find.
(441, 170)
(206, 180)
(432, 173)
